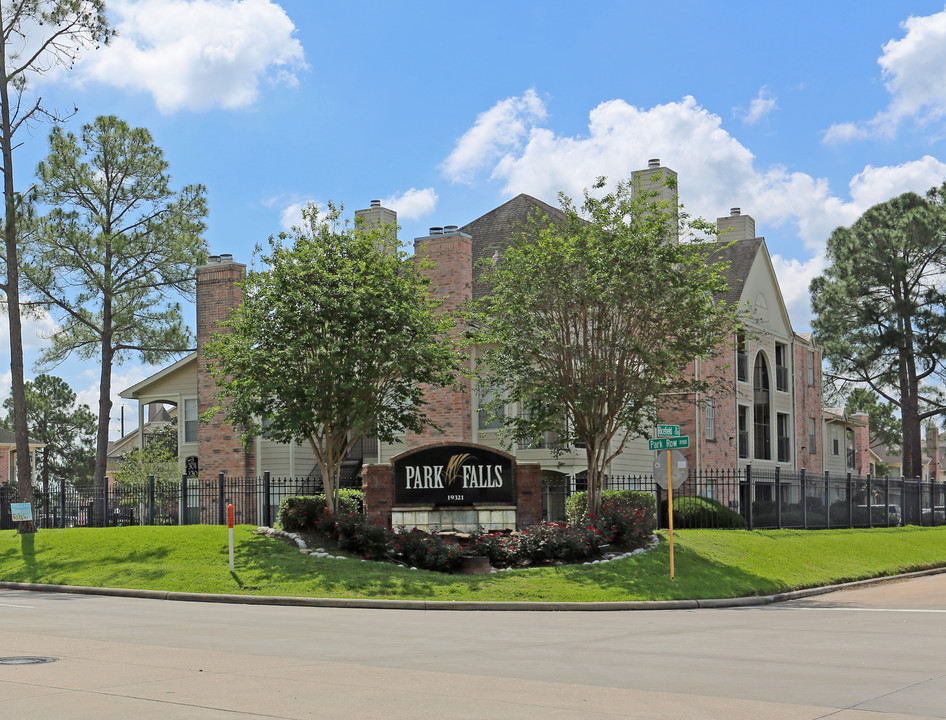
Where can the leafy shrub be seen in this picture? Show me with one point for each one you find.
(357, 533)
(502, 548)
(627, 516)
(431, 552)
(703, 512)
(307, 513)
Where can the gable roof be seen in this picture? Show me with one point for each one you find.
(8, 437)
(493, 232)
(740, 255)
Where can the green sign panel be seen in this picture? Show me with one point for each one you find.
(668, 431)
(670, 443)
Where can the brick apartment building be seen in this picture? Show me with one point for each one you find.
(767, 413)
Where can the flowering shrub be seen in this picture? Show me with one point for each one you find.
(357, 533)
(626, 518)
(307, 513)
(423, 550)
(540, 542)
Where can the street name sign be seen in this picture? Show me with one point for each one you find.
(668, 431)
(669, 443)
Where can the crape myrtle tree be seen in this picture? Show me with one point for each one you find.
(67, 430)
(879, 309)
(36, 37)
(114, 251)
(591, 322)
(332, 342)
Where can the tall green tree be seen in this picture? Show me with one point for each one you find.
(880, 309)
(332, 342)
(114, 255)
(66, 429)
(36, 37)
(592, 320)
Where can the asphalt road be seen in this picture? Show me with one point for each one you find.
(876, 653)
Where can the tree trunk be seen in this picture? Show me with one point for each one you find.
(17, 384)
(594, 482)
(101, 440)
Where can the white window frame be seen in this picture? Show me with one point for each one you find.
(711, 418)
(189, 425)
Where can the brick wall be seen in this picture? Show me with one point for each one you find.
(220, 447)
(451, 279)
(861, 444)
(378, 486)
(807, 405)
(4, 466)
(528, 494)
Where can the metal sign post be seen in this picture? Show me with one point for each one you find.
(670, 508)
(669, 439)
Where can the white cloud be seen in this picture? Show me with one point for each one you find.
(761, 105)
(500, 129)
(716, 172)
(874, 185)
(413, 203)
(291, 216)
(914, 70)
(197, 54)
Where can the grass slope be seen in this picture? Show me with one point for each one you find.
(708, 564)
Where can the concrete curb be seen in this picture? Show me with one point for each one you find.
(466, 605)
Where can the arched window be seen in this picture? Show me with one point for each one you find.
(761, 410)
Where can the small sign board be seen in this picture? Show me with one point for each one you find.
(21, 512)
(668, 431)
(669, 443)
(190, 466)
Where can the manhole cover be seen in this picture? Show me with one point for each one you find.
(26, 660)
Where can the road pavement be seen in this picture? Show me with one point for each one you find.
(874, 653)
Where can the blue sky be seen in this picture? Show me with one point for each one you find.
(803, 114)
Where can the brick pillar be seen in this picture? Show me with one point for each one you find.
(932, 450)
(378, 487)
(451, 279)
(220, 447)
(528, 494)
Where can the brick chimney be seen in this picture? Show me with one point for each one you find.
(861, 424)
(377, 215)
(451, 279)
(220, 448)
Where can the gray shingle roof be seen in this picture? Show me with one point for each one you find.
(8, 437)
(740, 255)
(493, 232)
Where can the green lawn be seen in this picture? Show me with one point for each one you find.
(708, 564)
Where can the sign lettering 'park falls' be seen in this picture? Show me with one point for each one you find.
(454, 475)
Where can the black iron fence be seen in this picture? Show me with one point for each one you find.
(255, 501)
(763, 498)
(773, 499)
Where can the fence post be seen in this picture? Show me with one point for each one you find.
(105, 502)
(62, 502)
(750, 525)
(266, 513)
(220, 506)
(850, 501)
(182, 504)
(151, 500)
(778, 498)
(870, 503)
(887, 499)
(803, 481)
(827, 499)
